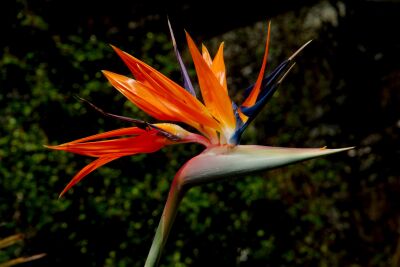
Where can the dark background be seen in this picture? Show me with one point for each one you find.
(342, 210)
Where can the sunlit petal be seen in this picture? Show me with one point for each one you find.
(206, 55)
(218, 67)
(170, 89)
(141, 95)
(214, 95)
(154, 99)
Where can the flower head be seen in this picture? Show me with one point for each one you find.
(219, 124)
(218, 121)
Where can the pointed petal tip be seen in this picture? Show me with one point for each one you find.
(119, 52)
(114, 47)
(107, 73)
(171, 32)
(112, 76)
(65, 190)
(54, 147)
(186, 79)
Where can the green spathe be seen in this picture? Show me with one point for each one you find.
(219, 162)
(231, 161)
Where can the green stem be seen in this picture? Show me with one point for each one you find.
(175, 196)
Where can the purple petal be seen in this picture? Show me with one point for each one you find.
(186, 79)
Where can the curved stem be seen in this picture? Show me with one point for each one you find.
(219, 162)
(175, 196)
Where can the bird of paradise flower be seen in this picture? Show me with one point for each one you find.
(219, 123)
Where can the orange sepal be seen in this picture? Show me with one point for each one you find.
(173, 90)
(218, 66)
(156, 100)
(95, 146)
(106, 150)
(114, 133)
(252, 98)
(141, 95)
(206, 55)
(88, 169)
(191, 111)
(214, 95)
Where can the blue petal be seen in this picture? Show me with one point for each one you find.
(267, 80)
(186, 79)
(253, 110)
(269, 86)
(239, 122)
(275, 74)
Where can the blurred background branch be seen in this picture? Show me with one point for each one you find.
(10, 241)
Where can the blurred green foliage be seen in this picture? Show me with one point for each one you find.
(338, 211)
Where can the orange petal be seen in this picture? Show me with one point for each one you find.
(88, 169)
(188, 109)
(206, 55)
(132, 63)
(218, 66)
(139, 68)
(107, 150)
(149, 141)
(141, 95)
(214, 95)
(204, 119)
(156, 100)
(252, 98)
(113, 133)
(140, 141)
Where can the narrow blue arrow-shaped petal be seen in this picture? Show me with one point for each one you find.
(186, 79)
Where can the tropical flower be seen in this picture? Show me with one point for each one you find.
(219, 125)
